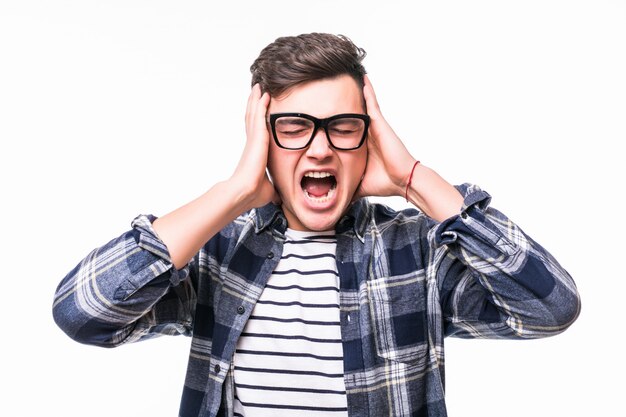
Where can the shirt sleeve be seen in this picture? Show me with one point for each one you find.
(126, 290)
(507, 285)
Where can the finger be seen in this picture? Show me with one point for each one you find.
(251, 105)
(370, 96)
(260, 112)
(253, 91)
(252, 98)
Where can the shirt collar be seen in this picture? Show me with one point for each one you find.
(267, 215)
(356, 218)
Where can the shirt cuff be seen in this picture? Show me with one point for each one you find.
(150, 241)
(472, 228)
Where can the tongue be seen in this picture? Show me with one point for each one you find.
(317, 187)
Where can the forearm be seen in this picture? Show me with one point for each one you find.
(186, 229)
(433, 195)
(511, 287)
(121, 291)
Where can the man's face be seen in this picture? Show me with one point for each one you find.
(311, 199)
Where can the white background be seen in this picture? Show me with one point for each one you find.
(109, 109)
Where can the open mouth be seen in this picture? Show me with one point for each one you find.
(319, 186)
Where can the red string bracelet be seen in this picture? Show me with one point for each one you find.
(408, 184)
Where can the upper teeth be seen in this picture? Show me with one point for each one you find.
(314, 174)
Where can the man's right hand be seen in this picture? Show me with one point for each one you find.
(250, 177)
(187, 228)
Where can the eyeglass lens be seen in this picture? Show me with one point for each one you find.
(295, 132)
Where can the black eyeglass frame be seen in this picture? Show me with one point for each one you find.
(323, 123)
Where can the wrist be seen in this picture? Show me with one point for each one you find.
(433, 195)
(239, 193)
(409, 180)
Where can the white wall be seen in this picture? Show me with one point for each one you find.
(109, 109)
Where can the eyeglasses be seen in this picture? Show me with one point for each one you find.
(296, 130)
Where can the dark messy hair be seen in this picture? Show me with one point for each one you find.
(293, 60)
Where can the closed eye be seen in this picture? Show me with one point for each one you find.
(293, 132)
(343, 131)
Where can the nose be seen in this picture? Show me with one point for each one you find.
(319, 147)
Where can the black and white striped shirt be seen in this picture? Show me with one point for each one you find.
(289, 359)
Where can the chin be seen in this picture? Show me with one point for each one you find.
(320, 225)
(317, 222)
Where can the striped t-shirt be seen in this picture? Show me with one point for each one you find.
(289, 359)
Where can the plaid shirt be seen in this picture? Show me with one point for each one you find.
(406, 282)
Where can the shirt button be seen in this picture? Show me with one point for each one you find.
(241, 310)
(217, 369)
(270, 255)
(464, 215)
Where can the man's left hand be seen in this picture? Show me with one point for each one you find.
(389, 162)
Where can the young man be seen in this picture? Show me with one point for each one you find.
(301, 297)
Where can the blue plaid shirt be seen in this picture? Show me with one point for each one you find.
(406, 282)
